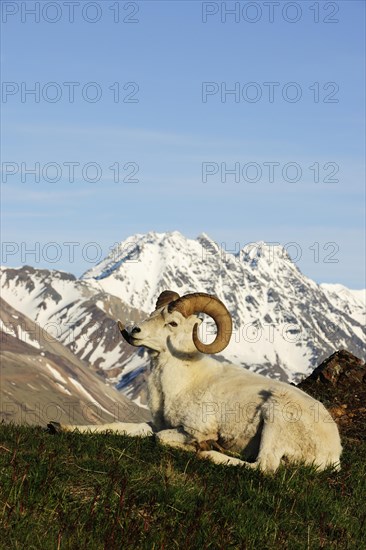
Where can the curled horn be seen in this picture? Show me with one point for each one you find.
(212, 306)
(165, 298)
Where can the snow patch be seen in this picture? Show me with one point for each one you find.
(139, 404)
(82, 390)
(56, 374)
(63, 389)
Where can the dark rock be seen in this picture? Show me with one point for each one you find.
(340, 383)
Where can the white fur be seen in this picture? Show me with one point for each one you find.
(265, 420)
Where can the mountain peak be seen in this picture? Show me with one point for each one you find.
(143, 265)
(271, 257)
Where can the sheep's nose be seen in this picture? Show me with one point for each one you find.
(135, 329)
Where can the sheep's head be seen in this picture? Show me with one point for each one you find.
(175, 321)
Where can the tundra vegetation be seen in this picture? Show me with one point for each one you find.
(111, 491)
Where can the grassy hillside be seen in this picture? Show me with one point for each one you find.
(107, 491)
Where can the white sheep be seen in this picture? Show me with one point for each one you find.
(198, 402)
(195, 399)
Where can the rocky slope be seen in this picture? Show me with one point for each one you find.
(340, 383)
(42, 380)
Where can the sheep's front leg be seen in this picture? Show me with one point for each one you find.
(219, 458)
(176, 438)
(141, 429)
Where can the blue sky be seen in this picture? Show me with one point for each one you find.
(173, 128)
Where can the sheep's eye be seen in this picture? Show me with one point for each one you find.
(173, 324)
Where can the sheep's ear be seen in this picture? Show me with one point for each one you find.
(165, 298)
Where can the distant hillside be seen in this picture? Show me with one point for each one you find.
(41, 379)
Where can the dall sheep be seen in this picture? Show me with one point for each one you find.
(195, 399)
(200, 403)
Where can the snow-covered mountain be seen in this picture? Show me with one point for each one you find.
(353, 302)
(284, 323)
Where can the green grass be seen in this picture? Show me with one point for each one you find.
(107, 491)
